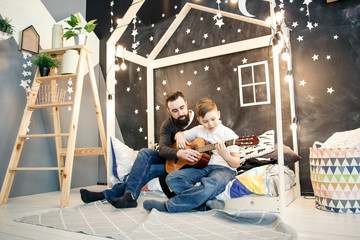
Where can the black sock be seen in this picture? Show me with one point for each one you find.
(88, 196)
(125, 201)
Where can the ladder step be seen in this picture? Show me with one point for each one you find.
(60, 51)
(44, 135)
(84, 151)
(56, 77)
(63, 104)
(35, 168)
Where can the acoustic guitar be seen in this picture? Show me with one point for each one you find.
(204, 148)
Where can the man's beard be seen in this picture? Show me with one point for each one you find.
(182, 123)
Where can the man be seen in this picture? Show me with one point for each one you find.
(149, 163)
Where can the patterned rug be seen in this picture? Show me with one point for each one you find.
(104, 220)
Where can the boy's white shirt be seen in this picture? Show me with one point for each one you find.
(220, 134)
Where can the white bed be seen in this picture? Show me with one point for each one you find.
(255, 187)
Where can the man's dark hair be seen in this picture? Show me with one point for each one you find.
(173, 96)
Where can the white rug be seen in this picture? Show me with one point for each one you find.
(104, 220)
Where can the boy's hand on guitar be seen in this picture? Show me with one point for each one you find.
(223, 151)
(181, 141)
(188, 155)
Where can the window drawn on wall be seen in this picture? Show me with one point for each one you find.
(254, 84)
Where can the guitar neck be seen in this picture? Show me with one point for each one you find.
(210, 147)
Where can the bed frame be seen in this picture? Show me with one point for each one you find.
(274, 204)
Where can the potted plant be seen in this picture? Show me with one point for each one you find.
(45, 62)
(6, 29)
(77, 31)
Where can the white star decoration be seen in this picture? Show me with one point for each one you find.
(302, 83)
(218, 89)
(157, 108)
(69, 90)
(24, 83)
(181, 71)
(136, 111)
(140, 129)
(195, 72)
(206, 35)
(70, 82)
(188, 83)
(151, 38)
(188, 31)
(177, 50)
(295, 24)
(244, 60)
(138, 69)
(330, 90)
(309, 25)
(336, 37)
(164, 82)
(128, 89)
(300, 38)
(219, 23)
(206, 68)
(315, 57)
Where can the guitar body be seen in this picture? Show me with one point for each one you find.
(204, 149)
(176, 164)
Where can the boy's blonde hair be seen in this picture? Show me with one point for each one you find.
(203, 106)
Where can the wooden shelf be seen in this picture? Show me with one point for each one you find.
(35, 168)
(48, 105)
(60, 51)
(56, 77)
(44, 135)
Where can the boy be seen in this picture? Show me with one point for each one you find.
(214, 177)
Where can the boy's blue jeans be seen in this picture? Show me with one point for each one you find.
(147, 165)
(213, 179)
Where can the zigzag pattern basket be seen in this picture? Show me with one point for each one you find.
(335, 179)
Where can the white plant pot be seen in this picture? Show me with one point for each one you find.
(69, 62)
(57, 33)
(80, 39)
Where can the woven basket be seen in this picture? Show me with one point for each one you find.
(335, 179)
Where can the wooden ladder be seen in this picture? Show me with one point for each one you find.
(64, 168)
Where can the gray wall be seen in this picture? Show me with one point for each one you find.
(87, 170)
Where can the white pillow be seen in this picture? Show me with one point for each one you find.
(266, 145)
(123, 158)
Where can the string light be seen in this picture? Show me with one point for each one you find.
(120, 51)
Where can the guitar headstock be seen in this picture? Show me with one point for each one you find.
(248, 140)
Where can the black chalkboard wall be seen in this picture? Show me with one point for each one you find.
(325, 44)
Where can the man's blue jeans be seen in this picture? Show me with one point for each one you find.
(147, 165)
(213, 179)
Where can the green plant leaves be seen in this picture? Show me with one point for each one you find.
(75, 27)
(45, 60)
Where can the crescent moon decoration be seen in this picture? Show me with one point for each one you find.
(243, 10)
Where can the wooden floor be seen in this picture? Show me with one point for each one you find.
(309, 222)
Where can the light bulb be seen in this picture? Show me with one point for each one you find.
(293, 126)
(117, 67)
(285, 56)
(119, 51)
(233, 1)
(118, 21)
(268, 21)
(123, 66)
(288, 78)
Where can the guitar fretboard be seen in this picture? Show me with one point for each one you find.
(240, 142)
